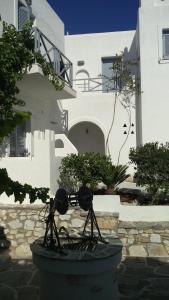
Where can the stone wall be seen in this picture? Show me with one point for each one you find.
(25, 223)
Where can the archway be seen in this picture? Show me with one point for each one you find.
(87, 137)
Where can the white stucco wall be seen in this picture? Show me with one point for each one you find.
(45, 19)
(41, 169)
(92, 47)
(153, 17)
(130, 213)
(97, 107)
(7, 10)
(48, 22)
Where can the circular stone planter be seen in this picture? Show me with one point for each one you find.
(76, 274)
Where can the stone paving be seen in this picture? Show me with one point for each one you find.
(139, 279)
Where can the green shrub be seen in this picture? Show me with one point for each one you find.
(152, 165)
(91, 169)
(88, 168)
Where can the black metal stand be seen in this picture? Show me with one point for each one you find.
(51, 233)
(91, 219)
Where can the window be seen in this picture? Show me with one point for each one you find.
(23, 15)
(80, 63)
(165, 43)
(17, 140)
(108, 84)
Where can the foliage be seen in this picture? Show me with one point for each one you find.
(88, 168)
(126, 83)
(16, 58)
(152, 163)
(68, 182)
(117, 174)
(19, 191)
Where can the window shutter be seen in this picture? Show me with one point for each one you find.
(13, 143)
(18, 141)
(108, 73)
(23, 16)
(21, 139)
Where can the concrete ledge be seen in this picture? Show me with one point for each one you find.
(132, 213)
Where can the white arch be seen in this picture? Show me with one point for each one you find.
(83, 71)
(91, 120)
(94, 142)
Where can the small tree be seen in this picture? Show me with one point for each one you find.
(152, 165)
(126, 86)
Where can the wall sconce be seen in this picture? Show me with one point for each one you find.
(125, 125)
(125, 132)
(132, 132)
(132, 125)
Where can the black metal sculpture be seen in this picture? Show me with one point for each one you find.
(85, 199)
(52, 239)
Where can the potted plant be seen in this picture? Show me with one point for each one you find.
(115, 175)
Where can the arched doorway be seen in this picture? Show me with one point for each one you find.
(87, 137)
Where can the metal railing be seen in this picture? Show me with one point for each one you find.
(62, 66)
(99, 84)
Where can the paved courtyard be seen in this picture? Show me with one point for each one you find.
(139, 279)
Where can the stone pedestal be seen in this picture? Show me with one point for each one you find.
(78, 275)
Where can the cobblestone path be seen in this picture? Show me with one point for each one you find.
(139, 279)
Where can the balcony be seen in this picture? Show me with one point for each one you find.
(98, 84)
(35, 82)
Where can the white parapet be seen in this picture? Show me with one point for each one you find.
(67, 146)
(131, 213)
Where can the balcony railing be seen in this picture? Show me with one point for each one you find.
(60, 63)
(99, 84)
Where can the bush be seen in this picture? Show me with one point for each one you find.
(91, 169)
(88, 168)
(152, 165)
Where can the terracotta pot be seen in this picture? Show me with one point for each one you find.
(110, 191)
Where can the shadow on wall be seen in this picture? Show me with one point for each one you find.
(87, 137)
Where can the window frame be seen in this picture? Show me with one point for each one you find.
(112, 59)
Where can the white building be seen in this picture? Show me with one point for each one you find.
(93, 120)
(91, 113)
(33, 153)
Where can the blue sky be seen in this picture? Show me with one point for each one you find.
(92, 16)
